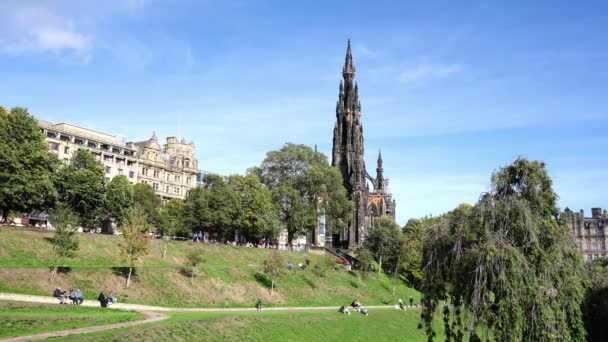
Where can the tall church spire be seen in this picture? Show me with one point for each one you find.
(349, 69)
(379, 173)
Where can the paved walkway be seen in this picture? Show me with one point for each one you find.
(148, 310)
(139, 307)
(150, 318)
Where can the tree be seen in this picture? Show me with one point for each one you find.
(135, 240)
(172, 215)
(65, 240)
(298, 169)
(366, 258)
(82, 187)
(322, 268)
(509, 260)
(118, 199)
(414, 233)
(384, 241)
(146, 199)
(257, 215)
(26, 166)
(596, 301)
(195, 257)
(274, 268)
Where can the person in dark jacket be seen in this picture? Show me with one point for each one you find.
(259, 305)
(102, 300)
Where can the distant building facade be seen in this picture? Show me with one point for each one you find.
(589, 233)
(171, 171)
(111, 150)
(349, 157)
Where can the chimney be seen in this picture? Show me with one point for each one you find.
(596, 212)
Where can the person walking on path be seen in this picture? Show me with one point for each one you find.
(411, 301)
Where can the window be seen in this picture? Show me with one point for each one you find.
(168, 176)
(53, 146)
(155, 186)
(156, 173)
(167, 189)
(131, 174)
(120, 171)
(187, 163)
(66, 150)
(175, 190)
(66, 161)
(108, 169)
(106, 179)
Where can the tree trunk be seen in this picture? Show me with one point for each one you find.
(289, 237)
(380, 265)
(4, 213)
(55, 270)
(129, 276)
(272, 289)
(165, 250)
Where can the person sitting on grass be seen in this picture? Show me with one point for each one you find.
(111, 299)
(356, 305)
(344, 310)
(71, 297)
(78, 297)
(57, 294)
(401, 305)
(102, 300)
(259, 305)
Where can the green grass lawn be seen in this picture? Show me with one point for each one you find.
(380, 325)
(229, 278)
(18, 319)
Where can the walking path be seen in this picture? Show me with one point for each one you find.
(147, 310)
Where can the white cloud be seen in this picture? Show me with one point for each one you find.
(427, 72)
(33, 28)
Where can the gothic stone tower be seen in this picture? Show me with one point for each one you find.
(348, 156)
(348, 150)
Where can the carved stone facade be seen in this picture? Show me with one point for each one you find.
(589, 233)
(348, 156)
(172, 171)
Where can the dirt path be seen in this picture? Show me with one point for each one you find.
(147, 310)
(150, 318)
(139, 307)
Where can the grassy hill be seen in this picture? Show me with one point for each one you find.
(228, 278)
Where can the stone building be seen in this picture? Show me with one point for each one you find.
(65, 139)
(589, 233)
(348, 156)
(171, 171)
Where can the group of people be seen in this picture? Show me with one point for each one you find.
(401, 306)
(105, 301)
(301, 265)
(356, 305)
(68, 297)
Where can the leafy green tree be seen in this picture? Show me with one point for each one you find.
(172, 215)
(26, 166)
(118, 199)
(296, 214)
(195, 257)
(274, 268)
(509, 260)
(384, 241)
(146, 199)
(65, 240)
(135, 241)
(414, 233)
(82, 187)
(257, 216)
(366, 258)
(596, 301)
(299, 169)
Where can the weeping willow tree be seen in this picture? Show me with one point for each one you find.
(508, 263)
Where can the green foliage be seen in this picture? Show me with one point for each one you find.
(81, 186)
(366, 258)
(194, 258)
(509, 260)
(384, 241)
(65, 239)
(118, 199)
(322, 268)
(414, 233)
(26, 167)
(257, 215)
(146, 200)
(274, 268)
(304, 185)
(135, 240)
(172, 215)
(596, 301)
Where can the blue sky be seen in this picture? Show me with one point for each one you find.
(450, 90)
